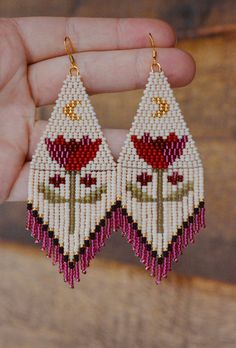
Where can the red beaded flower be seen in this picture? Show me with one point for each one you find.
(72, 154)
(88, 181)
(159, 152)
(144, 178)
(56, 180)
(175, 178)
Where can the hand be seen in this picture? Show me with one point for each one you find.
(114, 56)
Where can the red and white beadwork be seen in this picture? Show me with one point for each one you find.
(77, 194)
(72, 184)
(159, 180)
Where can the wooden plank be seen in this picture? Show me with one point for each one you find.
(24, 8)
(114, 306)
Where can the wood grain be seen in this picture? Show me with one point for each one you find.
(114, 306)
(188, 17)
(24, 8)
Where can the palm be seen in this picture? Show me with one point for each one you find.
(33, 67)
(17, 108)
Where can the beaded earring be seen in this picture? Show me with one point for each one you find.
(78, 195)
(159, 179)
(72, 181)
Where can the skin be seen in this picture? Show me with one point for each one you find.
(114, 55)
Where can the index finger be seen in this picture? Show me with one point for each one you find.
(43, 36)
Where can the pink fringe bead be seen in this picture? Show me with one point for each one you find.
(159, 274)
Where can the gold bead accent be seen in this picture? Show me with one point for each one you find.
(163, 107)
(69, 110)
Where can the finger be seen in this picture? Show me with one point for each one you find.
(14, 127)
(109, 71)
(114, 137)
(19, 189)
(11, 160)
(43, 36)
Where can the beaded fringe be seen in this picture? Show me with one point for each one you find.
(71, 269)
(117, 219)
(159, 266)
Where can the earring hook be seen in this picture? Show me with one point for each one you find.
(69, 50)
(155, 63)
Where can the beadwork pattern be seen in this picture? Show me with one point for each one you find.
(160, 180)
(78, 195)
(72, 184)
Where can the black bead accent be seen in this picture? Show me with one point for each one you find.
(185, 224)
(143, 239)
(202, 204)
(139, 233)
(82, 250)
(97, 228)
(34, 213)
(149, 247)
(174, 238)
(169, 247)
(154, 253)
(190, 219)
(118, 204)
(29, 206)
(113, 208)
(61, 250)
(165, 253)
(65, 258)
(130, 219)
(196, 210)
(102, 222)
(50, 234)
(55, 241)
(179, 232)
(87, 242)
(124, 212)
(76, 258)
(135, 226)
(71, 265)
(45, 227)
(160, 260)
(40, 220)
(108, 214)
(92, 235)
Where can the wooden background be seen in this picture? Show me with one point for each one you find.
(117, 304)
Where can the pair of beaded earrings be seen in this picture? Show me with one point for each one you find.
(78, 195)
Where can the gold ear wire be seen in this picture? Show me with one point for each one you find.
(69, 50)
(155, 64)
